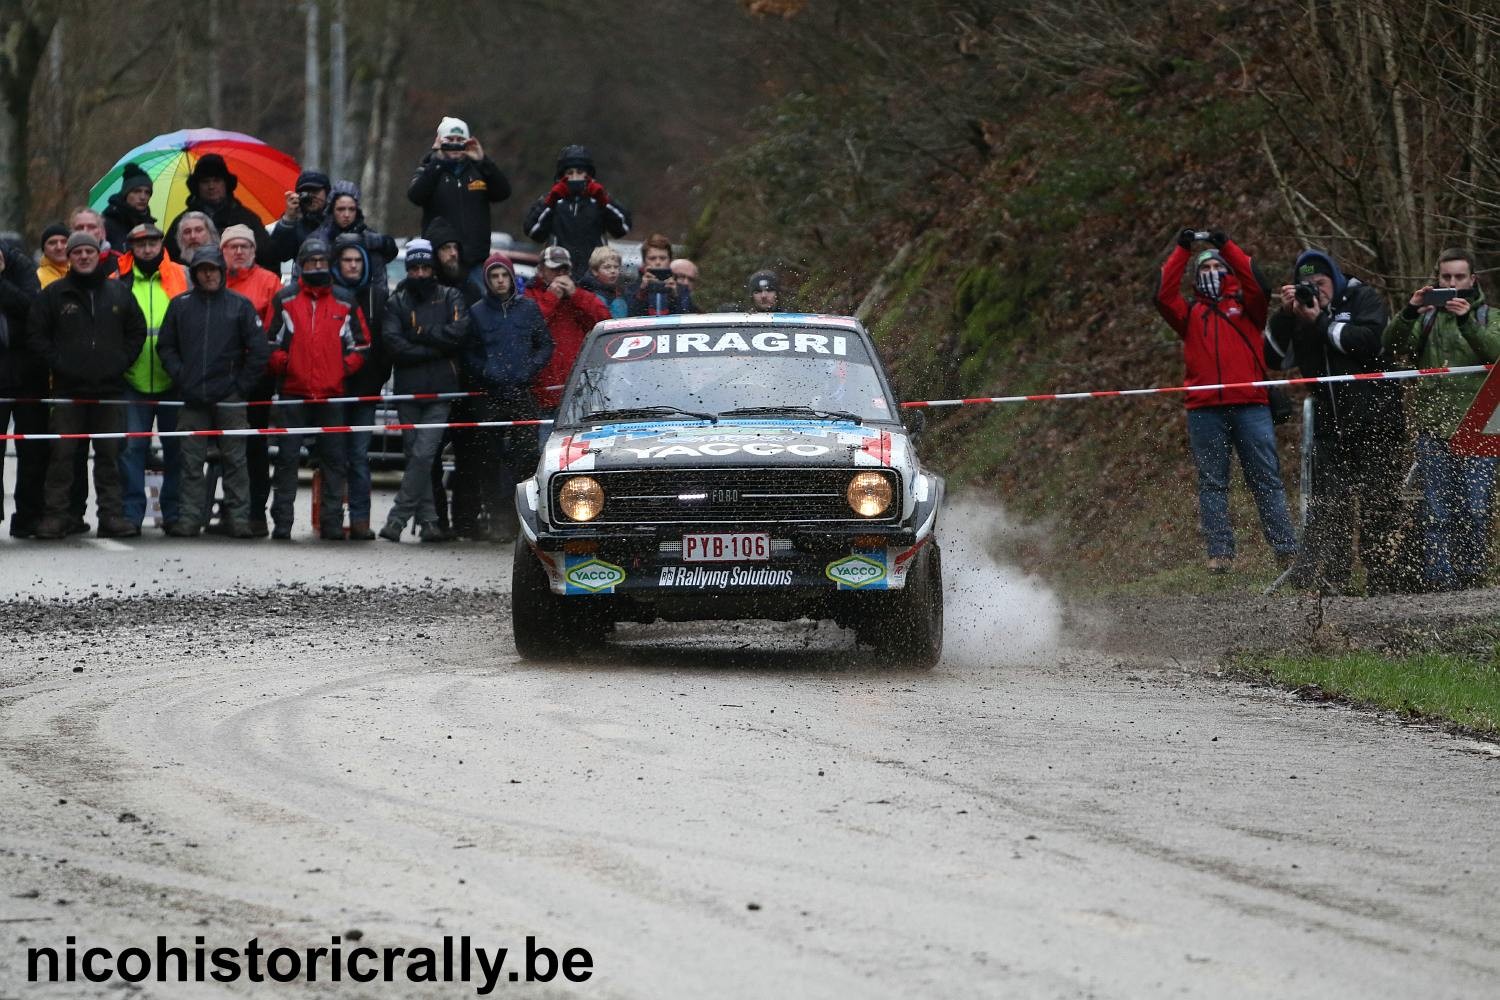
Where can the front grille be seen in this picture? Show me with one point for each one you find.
(729, 496)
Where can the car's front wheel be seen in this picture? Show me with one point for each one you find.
(908, 627)
(544, 625)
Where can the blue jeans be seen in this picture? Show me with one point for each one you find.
(139, 416)
(358, 445)
(1248, 428)
(1457, 493)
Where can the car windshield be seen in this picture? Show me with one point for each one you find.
(704, 372)
(697, 372)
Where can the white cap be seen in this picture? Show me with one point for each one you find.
(453, 127)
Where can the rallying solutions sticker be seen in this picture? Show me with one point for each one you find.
(588, 575)
(860, 571)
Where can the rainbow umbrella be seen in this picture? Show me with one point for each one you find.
(265, 173)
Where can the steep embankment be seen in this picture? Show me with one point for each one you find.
(1031, 270)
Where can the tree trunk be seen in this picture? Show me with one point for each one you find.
(25, 29)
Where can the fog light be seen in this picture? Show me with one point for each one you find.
(869, 494)
(582, 498)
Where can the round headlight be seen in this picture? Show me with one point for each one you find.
(582, 498)
(869, 494)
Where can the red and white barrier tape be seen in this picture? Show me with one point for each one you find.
(387, 398)
(274, 431)
(1262, 383)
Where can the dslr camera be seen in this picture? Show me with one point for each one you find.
(453, 145)
(1307, 294)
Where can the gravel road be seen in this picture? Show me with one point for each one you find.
(1071, 805)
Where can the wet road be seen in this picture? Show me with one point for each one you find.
(269, 741)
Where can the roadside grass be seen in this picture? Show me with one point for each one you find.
(1457, 689)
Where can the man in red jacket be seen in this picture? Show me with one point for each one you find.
(1221, 336)
(570, 315)
(318, 337)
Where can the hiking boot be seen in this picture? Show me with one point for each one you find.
(258, 528)
(77, 526)
(238, 529)
(332, 533)
(118, 527)
(282, 532)
(50, 528)
(359, 531)
(392, 531)
(181, 529)
(433, 532)
(1220, 565)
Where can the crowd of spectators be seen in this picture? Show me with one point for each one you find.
(179, 329)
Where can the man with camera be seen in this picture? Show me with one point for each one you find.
(303, 215)
(577, 213)
(457, 182)
(1449, 324)
(658, 292)
(1220, 329)
(570, 313)
(1331, 324)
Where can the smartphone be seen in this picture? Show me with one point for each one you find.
(660, 273)
(1439, 297)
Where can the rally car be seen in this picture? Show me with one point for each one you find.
(729, 466)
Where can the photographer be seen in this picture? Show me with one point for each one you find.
(570, 313)
(1330, 324)
(1220, 329)
(457, 182)
(577, 214)
(303, 216)
(658, 293)
(1449, 324)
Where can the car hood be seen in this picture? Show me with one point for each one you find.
(700, 444)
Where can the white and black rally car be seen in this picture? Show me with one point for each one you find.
(729, 466)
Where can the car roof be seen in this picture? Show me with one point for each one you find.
(730, 319)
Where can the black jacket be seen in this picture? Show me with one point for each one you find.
(228, 213)
(1344, 340)
(424, 337)
(286, 240)
(578, 224)
(88, 336)
(508, 344)
(22, 372)
(375, 244)
(213, 345)
(120, 219)
(463, 197)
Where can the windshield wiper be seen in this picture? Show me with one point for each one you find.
(809, 411)
(634, 412)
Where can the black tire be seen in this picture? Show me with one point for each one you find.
(908, 627)
(544, 625)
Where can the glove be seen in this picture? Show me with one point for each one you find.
(373, 240)
(558, 193)
(1185, 238)
(1218, 238)
(596, 191)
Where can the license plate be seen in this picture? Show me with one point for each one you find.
(727, 547)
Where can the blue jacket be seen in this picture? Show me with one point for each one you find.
(508, 343)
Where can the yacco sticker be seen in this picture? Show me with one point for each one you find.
(636, 346)
(590, 575)
(704, 578)
(860, 571)
(717, 449)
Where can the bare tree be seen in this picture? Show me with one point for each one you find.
(25, 28)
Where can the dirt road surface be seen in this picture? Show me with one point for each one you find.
(744, 813)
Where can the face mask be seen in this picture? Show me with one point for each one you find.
(317, 279)
(1209, 284)
(423, 286)
(577, 187)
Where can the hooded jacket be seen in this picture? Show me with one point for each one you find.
(568, 320)
(370, 294)
(373, 242)
(22, 372)
(460, 191)
(1439, 340)
(508, 344)
(1221, 340)
(153, 293)
(119, 219)
(88, 333)
(424, 333)
(318, 339)
(1345, 339)
(229, 212)
(212, 344)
